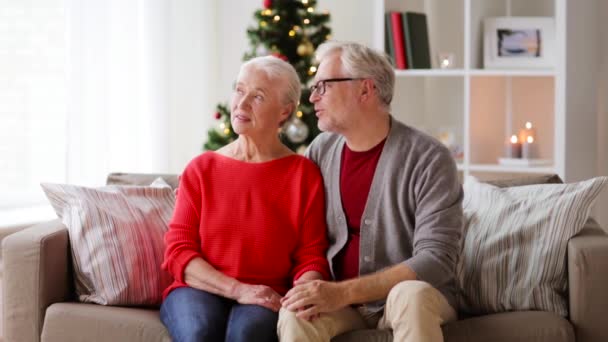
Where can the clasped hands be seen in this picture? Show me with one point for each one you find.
(308, 298)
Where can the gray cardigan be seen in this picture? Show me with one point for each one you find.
(413, 212)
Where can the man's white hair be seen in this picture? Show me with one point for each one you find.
(361, 61)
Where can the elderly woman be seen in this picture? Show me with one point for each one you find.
(248, 222)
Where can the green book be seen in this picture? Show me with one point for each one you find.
(388, 38)
(416, 40)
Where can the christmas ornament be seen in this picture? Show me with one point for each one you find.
(305, 48)
(296, 131)
(281, 56)
(267, 3)
(218, 115)
(261, 50)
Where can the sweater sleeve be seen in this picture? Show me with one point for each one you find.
(439, 220)
(312, 244)
(182, 241)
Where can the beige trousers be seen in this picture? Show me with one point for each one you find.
(414, 310)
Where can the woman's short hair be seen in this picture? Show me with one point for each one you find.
(276, 68)
(361, 61)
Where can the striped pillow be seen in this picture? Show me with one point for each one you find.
(116, 234)
(515, 240)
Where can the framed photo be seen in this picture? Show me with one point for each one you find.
(519, 42)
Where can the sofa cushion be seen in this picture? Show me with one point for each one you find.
(539, 179)
(504, 327)
(116, 234)
(535, 326)
(515, 241)
(71, 322)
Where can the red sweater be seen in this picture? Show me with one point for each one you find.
(261, 223)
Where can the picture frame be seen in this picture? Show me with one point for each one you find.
(519, 42)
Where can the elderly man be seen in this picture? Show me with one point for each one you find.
(394, 211)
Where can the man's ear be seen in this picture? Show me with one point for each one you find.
(367, 89)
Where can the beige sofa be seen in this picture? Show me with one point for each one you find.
(39, 298)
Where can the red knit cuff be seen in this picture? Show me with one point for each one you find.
(314, 267)
(180, 263)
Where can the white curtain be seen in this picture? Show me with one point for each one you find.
(131, 69)
(89, 87)
(117, 85)
(32, 100)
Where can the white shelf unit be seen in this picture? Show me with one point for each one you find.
(482, 107)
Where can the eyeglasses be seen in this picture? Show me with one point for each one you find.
(319, 87)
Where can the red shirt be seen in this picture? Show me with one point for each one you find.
(261, 223)
(356, 174)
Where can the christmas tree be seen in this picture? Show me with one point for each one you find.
(290, 30)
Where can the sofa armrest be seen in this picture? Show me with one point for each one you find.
(36, 275)
(588, 284)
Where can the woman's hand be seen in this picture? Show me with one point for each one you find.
(261, 295)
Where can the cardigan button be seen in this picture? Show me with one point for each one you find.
(367, 222)
(367, 258)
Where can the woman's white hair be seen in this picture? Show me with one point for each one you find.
(278, 69)
(361, 61)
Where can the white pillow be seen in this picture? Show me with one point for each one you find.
(515, 241)
(116, 234)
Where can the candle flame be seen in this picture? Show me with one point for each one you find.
(530, 139)
(528, 125)
(514, 139)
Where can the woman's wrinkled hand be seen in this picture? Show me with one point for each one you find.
(261, 295)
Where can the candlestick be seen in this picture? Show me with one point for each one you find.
(528, 148)
(513, 148)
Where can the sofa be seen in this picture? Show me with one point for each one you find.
(39, 298)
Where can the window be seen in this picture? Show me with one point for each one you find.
(33, 53)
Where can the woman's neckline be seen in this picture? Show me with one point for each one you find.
(252, 162)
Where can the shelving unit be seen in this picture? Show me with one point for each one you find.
(482, 107)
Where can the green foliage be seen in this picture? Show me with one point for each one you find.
(224, 134)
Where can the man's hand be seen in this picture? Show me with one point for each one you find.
(311, 297)
(261, 295)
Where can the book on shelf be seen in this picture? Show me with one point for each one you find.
(388, 38)
(416, 40)
(407, 40)
(397, 33)
(527, 162)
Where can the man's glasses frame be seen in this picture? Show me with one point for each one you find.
(319, 87)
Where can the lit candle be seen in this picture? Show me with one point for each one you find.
(446, 60)
(514, 148)
(526, 132)
(527, 149)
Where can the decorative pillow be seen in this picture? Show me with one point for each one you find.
(116, 234)
(515, 241)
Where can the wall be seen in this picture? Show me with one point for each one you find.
(582, 57)
(193, 57)
(602, 127)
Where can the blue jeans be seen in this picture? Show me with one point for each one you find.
(195, 315)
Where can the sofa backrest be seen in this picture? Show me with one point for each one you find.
(120, 178)
(141, 179)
